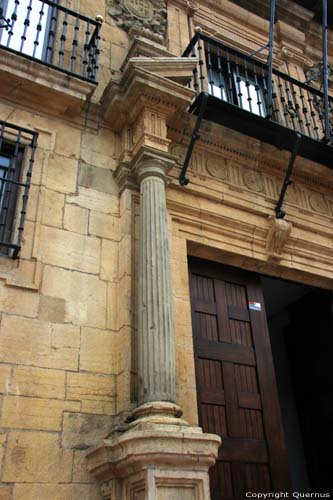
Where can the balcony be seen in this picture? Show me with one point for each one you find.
(45, 45)
(237, 96)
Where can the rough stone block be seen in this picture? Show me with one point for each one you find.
(112, 307)
(96, 178)
(38, 382)
(82, 431)
(105, 226)
(67, 140)
(5, 492)
(125, 256)
(98, 351)
(99, 407)
(32, 413)
(85, 295)
(62, 174)
(5, 371)
(76, 219)
(109, 260)
(95, 200)
(38, 343)
(53, 208)
(3, 439)
(69, 250)
(36, 457)
(18, 301)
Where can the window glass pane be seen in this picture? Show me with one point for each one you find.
(38, 14)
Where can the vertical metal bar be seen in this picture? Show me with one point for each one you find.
(8, 189)
(201, 63)
(26, 26)
(210, 73)
(63, 40)
(220, 73)
(325, 74)
(96, 51)
(51, 35)
(26, 189)
(38, 29)
(85, 51)
(270, 60)
(12, 24)
(74, 44)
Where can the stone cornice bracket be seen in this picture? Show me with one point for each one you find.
(292, 42)
(277, 237)
(155, 81)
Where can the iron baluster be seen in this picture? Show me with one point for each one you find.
(275, 104)
(97, 38)
(51, 35)
(229, 76)
(247, 84)
(297, 107)
(201, 64)
(238, 80)
(26, 25)
(313, 115)
(290, 108)
(220, 74)
(38, 29)
(305, 113)
(257, 89)
(74, 44)
(264, 85)
(62, 41)
(85, 50)
(209, 68)
(13, 21)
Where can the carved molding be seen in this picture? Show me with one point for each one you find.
(147, 18)
(277, 237)
(250, 176)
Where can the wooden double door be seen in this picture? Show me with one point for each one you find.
(236, 386)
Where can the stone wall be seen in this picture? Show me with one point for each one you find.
(68, 305)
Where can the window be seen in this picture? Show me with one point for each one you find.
(17, 150)
(27, 27)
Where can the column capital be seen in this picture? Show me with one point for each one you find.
(150, 163)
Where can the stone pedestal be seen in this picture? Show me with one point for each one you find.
(157, 462)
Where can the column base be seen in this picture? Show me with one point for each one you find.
(155, 459)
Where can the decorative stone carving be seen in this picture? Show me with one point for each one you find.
(253, 180)
(140, 17)
(277, 237)
(318, 203)
(217, 167)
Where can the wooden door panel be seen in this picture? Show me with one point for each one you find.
(237, 394)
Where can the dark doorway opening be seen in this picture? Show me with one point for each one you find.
(300, 321)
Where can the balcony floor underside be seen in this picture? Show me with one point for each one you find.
(250, 124)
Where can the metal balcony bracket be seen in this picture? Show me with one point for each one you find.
(183, 180)
(287, 181)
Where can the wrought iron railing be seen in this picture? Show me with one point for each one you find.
(55, 36)
(17, 153)
(241, 80)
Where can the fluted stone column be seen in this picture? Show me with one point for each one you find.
(156, 356)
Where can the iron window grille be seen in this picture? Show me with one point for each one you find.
(17, 153)
(44, 31)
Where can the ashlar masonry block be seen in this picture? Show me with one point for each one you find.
(62, 174)
(85, 295)
(39, 343)
(38, 382)
(98, 351)
(32, 413)
(36, 457)
(69, 250)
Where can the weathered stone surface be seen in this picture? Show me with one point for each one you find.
(80, 472)
(85, 295)
(18, 301)
(76, 219)
(5, 492)
(32, 413)
(62, 174)
(36, 457)
(38, 382)
(3, 438)
(95, 200)
(57, 492)
(38, 343)
(5, 371)
(82, 431)
(109, 260)
(99, 179)
(52, 309)
(105, 226)
(69, 250)
(88, 387)
(53, 208)
(98, 351)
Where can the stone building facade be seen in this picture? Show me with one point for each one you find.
(98, 384)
